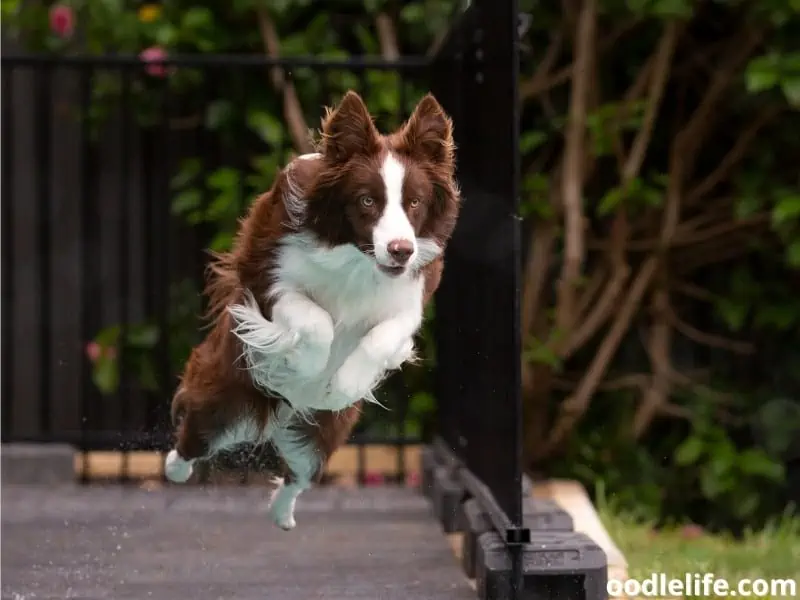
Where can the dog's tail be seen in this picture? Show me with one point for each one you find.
(264, 343)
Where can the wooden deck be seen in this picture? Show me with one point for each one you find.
(124, 542)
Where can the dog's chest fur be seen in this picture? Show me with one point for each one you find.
(345, 283)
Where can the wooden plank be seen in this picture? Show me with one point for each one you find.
(378, 458)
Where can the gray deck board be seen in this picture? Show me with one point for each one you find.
(104, 543)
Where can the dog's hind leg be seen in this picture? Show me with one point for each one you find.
(204, 428)
(303, 461)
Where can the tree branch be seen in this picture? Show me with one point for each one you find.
(387, 37)
(707, 339)
(733, 157)
(292, 110)
(541, 77)
(573, 408)
(691, 136)
(656, 396)
(572, 175)
(658, 81)
(606, 304)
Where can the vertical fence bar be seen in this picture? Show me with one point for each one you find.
(162, 246)
(151, 297)
(44, 97)
(403, 391)
(88, 257)
(123, 263)
(9, 267)
(361, 447)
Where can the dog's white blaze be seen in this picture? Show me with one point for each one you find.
(393, 224)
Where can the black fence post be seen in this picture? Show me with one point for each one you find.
(512, 545)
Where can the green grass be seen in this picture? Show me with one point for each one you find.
(772, 553)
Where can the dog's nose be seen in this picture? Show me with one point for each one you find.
(400, 250)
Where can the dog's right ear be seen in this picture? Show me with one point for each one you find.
(348, 130)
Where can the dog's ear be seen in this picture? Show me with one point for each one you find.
(428, 133)
(348, 130)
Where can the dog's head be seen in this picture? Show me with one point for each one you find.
(392, 196)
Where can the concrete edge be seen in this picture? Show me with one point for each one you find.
(573, 498)
(37, 464)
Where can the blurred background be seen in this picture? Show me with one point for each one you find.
(660, 202)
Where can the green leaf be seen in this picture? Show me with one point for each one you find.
(673, 8)
(756, 462)
(109, 336)
(106, 375)
(732, 312)
(218, 114)
(190, 168)
(748, 205)
(266, 126)
(610, 201)
(186, 202)
(222, 241)
(787, 209)
(197, 17)
(746, 504)
(143, 336)
(531, 140)
(689, 452)
(791, 89)
(793, 254)
(166, 34)
(148, 378)
(223, 179)
(762, 73)
(422, 403)
(412, 14)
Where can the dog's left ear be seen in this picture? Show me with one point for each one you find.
(348, 130)
(428, 133)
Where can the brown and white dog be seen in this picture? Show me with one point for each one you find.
(321, 295)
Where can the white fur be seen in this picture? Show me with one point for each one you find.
(321, 291)
(393, 224)
(176, 469)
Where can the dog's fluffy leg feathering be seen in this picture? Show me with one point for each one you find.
(303, 461)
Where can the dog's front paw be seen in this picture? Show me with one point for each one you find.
(310, 355)
(354, 380)
(405, 353)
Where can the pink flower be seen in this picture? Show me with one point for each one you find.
(62, 20)
(373, 478)
(154, 55)
(93, 351)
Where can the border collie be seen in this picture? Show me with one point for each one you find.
(320, 296)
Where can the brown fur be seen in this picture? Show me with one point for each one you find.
(215, 390)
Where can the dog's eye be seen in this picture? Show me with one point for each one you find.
(366, 201)
(414, 202)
